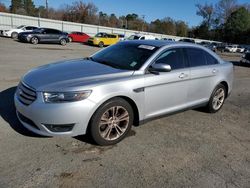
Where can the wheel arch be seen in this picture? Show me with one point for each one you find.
(226, 86)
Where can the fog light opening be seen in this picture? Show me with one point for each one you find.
(59, 127)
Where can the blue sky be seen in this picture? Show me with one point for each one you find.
(152, 9)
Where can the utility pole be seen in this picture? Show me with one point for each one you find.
(143, 18)
(47, 8)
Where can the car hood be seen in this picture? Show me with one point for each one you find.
(71, 75)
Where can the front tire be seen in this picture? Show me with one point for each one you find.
(63, 42)
(101, 44)
(217, 99)
(111, 122)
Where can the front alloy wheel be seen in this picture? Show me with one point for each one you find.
(63, 42)
(112, 121)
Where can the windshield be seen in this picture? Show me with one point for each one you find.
(20, 27)
(125, 56)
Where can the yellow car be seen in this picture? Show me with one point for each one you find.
(103, 39)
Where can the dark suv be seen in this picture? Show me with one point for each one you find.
(44, 35)
(245, 59)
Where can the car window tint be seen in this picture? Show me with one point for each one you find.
(210, 59)
(29, 28)
(173, 57)
(196, 57)
(142, 38)
(52, 31)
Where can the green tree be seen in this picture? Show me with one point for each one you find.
(15, 6)
(29, 7)
(181, 29)
(237, 24)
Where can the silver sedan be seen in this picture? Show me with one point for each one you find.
(123, 85)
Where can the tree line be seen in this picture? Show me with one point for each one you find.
(226, 20)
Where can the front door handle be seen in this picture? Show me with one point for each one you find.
(214, 71)
(183, 75)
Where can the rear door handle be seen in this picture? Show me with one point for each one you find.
(183, 75)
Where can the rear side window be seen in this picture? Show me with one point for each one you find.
(210, 60)
(173, 57)
(196, 57)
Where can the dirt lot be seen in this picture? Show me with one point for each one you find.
(189, 149)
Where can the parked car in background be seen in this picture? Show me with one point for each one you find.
(245, 59)
(142, 37)
(187, 40)
(103, 39)
(231, 48)
(211, 47)
(221, 47)
(240, 49)
(123, 85)
(121, 37)
(78, 37)
(168, 39)
(13, 33)
(44, 35)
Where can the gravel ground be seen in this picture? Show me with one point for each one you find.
(189, 149)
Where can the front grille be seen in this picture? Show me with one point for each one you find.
(27, 120)
(26, 94)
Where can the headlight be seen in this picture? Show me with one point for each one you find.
(60, 97)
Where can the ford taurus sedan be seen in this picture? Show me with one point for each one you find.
(123, 85)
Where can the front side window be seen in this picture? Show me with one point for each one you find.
(173, 57)
(100, 35)
(196, 57)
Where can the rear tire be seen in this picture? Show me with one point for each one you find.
(111, 122)
(34, 40)
(217, 99)
(14, 35)
(63, 42)
(101, 44)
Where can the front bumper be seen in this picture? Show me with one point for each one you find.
(6, 34)
(38, 114)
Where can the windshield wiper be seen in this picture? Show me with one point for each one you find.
(108, 64)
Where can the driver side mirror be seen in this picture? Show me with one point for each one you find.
(159, 67)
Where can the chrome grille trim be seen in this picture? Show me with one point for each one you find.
(26, 94)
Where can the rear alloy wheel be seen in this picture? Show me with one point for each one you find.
(63, 42)
(101, 44)
(217, 99)
(14, 35)
(70, 39)
(111, 122)
(34, 40)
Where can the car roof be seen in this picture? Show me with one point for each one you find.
(159, 43)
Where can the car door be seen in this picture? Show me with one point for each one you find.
(45, 35)
(203, 73)
(167, 91)
(55, 35)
